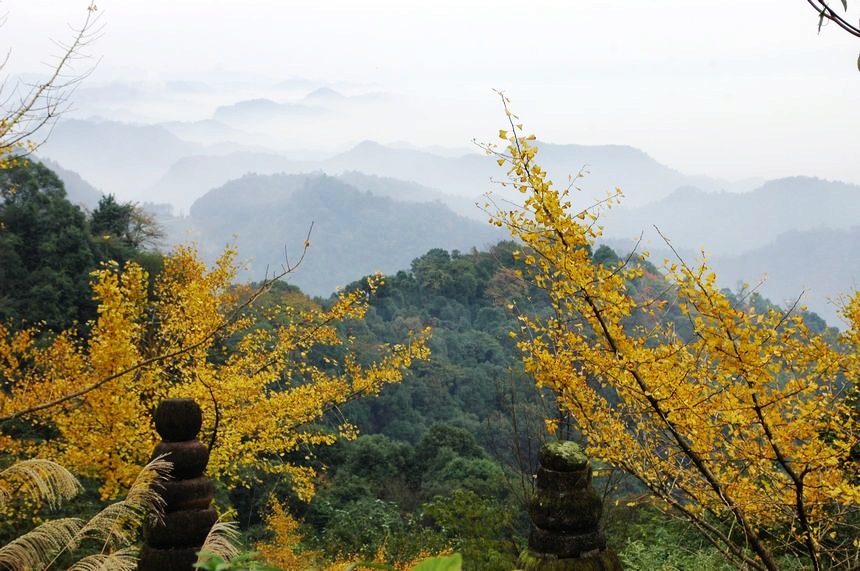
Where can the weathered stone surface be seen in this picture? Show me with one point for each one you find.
(604, 561)
(167, 559)
(189, 458)
(194, 494)
(563, 456)
(565, 512)
(555, 481)
(564, 545)
(184, 528)
(575, 511)
(172, 544)
(178, 420)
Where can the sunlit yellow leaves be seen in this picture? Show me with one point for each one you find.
(737, 421)
(283, 550)
(266, 390)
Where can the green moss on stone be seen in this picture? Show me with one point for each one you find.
(604, 561)
(579, 510)
(563, 456)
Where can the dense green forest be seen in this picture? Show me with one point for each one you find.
(447, 456)
(49, 246)
(444, 459)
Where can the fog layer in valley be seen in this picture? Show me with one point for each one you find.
(256, 171)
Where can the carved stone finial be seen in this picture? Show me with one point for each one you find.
(178, 420)
(172, 545)
(565, 513)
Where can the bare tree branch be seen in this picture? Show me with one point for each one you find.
(825, 12)
(28, 112)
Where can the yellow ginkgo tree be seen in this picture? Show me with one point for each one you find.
(261, 380)
(746, 428)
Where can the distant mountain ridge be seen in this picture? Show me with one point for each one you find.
(151, 163)
(467, 176)
(120, 158)
(354, 233)
(821, 264)
(255, 111)
(196, 175)
(207, 132)
(730, 223)
(78, 190)
(407, 191)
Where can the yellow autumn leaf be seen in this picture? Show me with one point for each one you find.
(724, 420)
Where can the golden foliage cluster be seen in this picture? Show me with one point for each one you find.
(282, 550)
(183, 336)
(746, 428)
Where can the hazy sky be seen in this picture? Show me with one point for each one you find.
(729, 88)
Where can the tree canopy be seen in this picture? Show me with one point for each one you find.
(745, 428)
(188, 335)
(46, 250)
(49, 247)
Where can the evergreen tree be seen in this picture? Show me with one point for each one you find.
(46, 253)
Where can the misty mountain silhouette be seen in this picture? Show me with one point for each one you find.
(354, 233)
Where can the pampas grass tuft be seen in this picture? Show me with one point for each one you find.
(39, 479)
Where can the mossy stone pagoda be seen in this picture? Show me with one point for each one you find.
(565, 513)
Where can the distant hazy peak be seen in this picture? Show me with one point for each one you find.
(78, 190)
(251, 191)
(97, 122)
(324, 93)
(258, 103)
(368, 145)
(437, 150)
(806, 184)
(686, 192)
(297, 83)
(263, 110)
(625, 152)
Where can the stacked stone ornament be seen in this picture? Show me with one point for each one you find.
(565, 513)
(173, 544)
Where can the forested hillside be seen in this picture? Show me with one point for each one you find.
(441, 460)
(294, 288)
(355, 231)
(49, 247)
